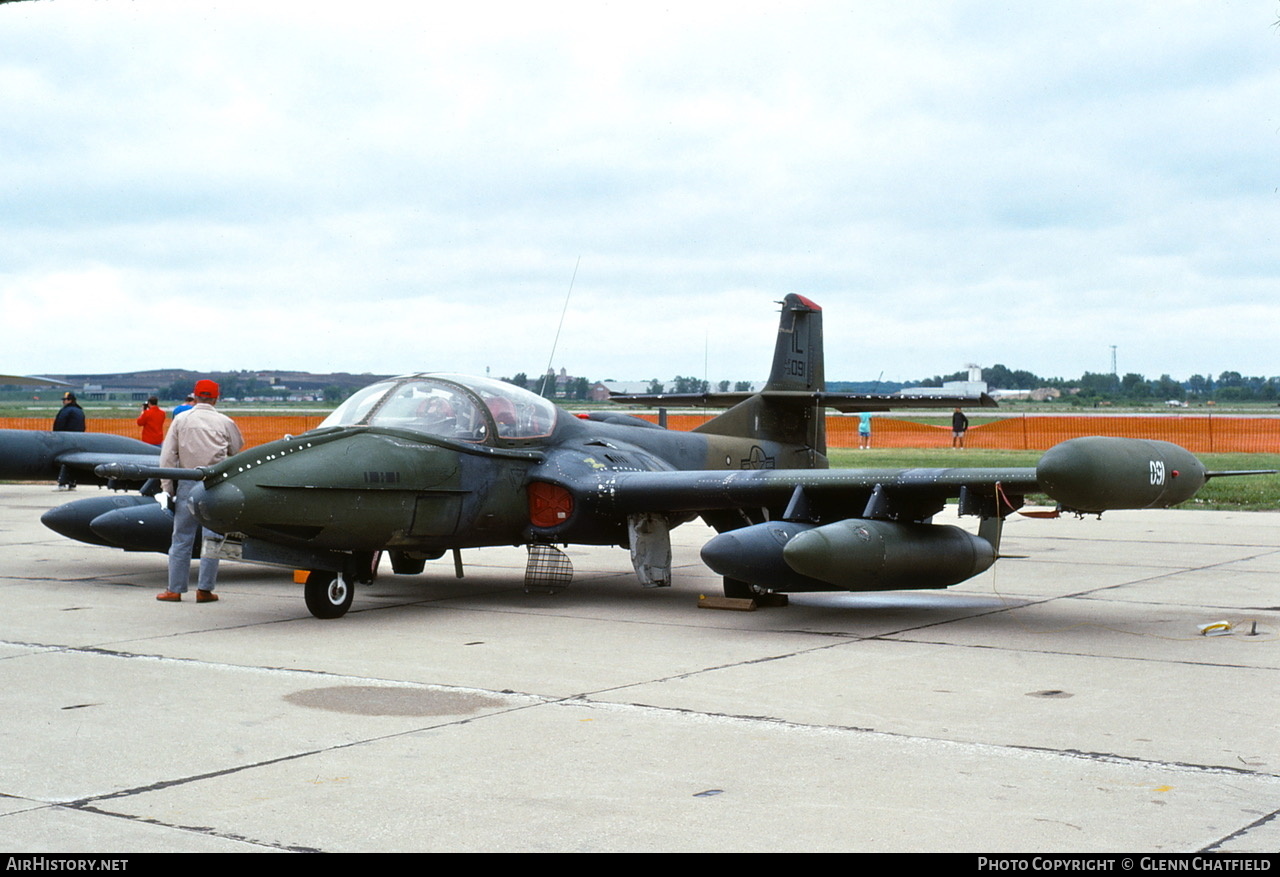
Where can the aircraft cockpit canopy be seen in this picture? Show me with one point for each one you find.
(455, 407)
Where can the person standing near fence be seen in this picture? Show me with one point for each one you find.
(864, 430)
(152, 422)
(70, 418)
(959, 426)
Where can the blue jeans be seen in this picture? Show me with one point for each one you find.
(186, 529)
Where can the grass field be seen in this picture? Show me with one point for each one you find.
(1252, 493)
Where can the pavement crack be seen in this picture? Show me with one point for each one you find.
(1053, 752)
(194, 829)
(1240, 832)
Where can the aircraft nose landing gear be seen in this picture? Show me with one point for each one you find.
(329, 594)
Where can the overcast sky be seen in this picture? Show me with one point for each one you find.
(407, 186)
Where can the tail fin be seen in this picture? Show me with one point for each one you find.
(797, 358)
(789, 410)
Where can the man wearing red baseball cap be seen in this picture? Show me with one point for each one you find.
(201, 437)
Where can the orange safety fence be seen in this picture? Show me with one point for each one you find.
(1201, 434)
(1198, 434)
(256, 430)
(1216, 433)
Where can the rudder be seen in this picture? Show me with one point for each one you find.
(788, 410)
(797, 358)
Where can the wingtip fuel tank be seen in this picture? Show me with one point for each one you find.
(134, 523)
(1098, 473)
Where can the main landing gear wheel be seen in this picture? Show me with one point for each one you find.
(743, 591)
(328, 594)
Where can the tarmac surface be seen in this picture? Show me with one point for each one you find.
(1063, 701)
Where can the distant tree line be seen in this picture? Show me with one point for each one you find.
(547, 386)
(1090, 388)
(1230, 386)
(579, 389)
(232, 387)
(247, 386)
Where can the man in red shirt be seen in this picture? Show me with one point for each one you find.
(152, 422)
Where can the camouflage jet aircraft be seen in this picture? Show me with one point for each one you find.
(425, 464)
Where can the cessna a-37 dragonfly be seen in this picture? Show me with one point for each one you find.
(425, 464)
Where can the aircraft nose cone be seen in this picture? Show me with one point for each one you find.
(218, 507)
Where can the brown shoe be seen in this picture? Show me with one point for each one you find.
(206, 597)
(169, 597)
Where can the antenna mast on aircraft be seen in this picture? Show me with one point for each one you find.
(555, 343)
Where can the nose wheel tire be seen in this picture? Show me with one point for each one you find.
(328, 594)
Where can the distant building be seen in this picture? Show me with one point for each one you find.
(1040, 394)
(627, 388)
(975, 386)
(635, 388)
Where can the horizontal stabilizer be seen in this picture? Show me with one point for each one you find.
(844, 402)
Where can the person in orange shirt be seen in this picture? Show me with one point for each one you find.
(152, 422)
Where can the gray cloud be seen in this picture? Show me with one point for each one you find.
(408, 186)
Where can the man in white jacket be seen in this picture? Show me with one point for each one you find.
(201, 437)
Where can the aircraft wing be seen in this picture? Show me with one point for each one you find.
(844, 402)
(826, 494)
(38, 455)
(1092, 475)
(705, 490)
(31, 381)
